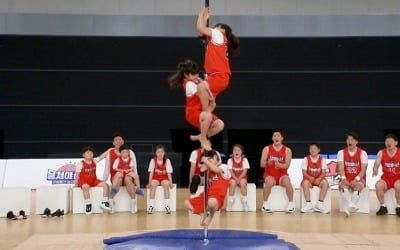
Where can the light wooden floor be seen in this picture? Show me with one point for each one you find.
(363, 227)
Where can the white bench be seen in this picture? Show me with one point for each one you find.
(53, 197)
(15, 199)
(314, 195)
(123, 201)
(362, 204)
(278, 200)
(78, 202)
(159, 205)
(251, 199)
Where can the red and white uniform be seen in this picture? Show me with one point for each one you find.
(237, 167)
(124, 164)
(160, 169)
(113, 155)
(271, 169)
(313, 167)
(87, 174)
(193, 107)
(195, 157)
(218, 187)
(217, 62)
(352, 162)
(390, 167)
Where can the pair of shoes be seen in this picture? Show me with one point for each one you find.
(352, 207)
(58, 213)
(139, 191)
(150, 210)
(307, 208)
(105, 206)
(167, 210)
(266, 209)
(88, 209)
(382, 211)
(196, 180)
(398, 211)
(290, 208)
(46, 213)
(319, 207)
(11, 216)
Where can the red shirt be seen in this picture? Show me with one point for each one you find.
(216, 59)
(237, 167)
(113, 156)
(276, 155)
(88, 171)
(352, 164)
(314, 168)
(193, 102)
(390, 165)
(160, 170)
(122, 164)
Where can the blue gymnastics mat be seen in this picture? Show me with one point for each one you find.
(193, 239)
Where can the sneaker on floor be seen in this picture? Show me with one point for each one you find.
(307, 208)
(290, 208)
(245, 206)
(320, 207)
(352, 207)
(382, 211)
(229, 206)
(88, 209)
(22, 215)
(11, 216)
(150, 210)
(105, 206)
(398, 211)
(112, 206)
(134, 207)
(46, 213)
(266, 209)
(58, 213)
(167, 210)
(139, 191)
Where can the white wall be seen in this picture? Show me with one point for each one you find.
(35, 172)
(191, 7)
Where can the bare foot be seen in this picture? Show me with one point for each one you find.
(195, 137)
(205, 144)
(206, 221)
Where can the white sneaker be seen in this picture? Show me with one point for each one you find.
(266, 209)
(167, 210)
(105, 206)
(319, 207)
(290, 208)
(347, 212)
(229, 206)
(150, 210)
(112, 206)
(245, 206)
(307, 208)
(352, 207)
(133, 208)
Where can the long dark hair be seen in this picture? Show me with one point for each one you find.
(233, 41)
(185, 67)
(160, 146)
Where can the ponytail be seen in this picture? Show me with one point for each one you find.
(185, 67)
(233, 41)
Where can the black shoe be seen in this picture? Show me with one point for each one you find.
(11, 216)
(382, 211)
(46, 212)
(194, 184)
(22, 215)
(398, 211)
(58, 213)
(88, 209)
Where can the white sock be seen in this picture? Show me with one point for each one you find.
(265, 204)
(105, 199)
(355, 197)
(383, 205)
(244, 199)
(87, 202)
(231, 199)
(166, 202)
(133, 201)
(346, 195)
(152, 202)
